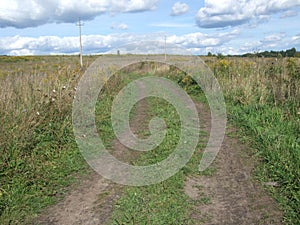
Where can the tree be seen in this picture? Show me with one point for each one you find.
(220, 56)
(291, 52)
(209, 54)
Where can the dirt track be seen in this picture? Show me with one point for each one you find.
(233, 197)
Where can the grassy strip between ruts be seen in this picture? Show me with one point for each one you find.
(165, 202)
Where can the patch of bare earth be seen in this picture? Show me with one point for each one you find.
(91, 201)
(230, 195)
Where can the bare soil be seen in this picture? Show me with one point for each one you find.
(227, 196)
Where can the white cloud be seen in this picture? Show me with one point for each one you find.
(32, 13)
(279, 41)
(132, 5)
(196, 43)
(119, 26)
(200, 40)
(295, 40)
(225, 13)
(101, 43)
(289, 13)
(296, 37)
(179, 9)
(274, 38)
(22, 52)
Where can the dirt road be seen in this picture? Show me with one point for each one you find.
(227, 196)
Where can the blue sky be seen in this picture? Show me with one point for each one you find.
(33, 27)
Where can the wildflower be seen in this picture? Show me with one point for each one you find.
(54, 91)
(52, 99)
(64, 87)
(37, 113)
(75, 89)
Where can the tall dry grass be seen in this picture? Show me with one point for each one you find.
(28, 100)
(36, 141)
(259, 80)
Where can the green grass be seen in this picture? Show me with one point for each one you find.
(277, 142)
(36, 168)
(262, 98)
(39, 156)
(166, 202)
(163, 203)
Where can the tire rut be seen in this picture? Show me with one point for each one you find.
(230, 195)
(91, 201)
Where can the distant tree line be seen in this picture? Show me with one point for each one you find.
(276, 54)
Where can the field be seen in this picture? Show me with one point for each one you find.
(40, 161)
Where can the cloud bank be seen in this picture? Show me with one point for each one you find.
(195, 43)
(102, 43)
(32, 13)
(223, 13)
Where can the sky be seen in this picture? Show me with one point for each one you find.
(43, 27)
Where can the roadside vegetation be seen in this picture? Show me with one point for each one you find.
(39, 158)
(263, 99)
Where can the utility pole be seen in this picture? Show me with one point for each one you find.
(80, 40)
(165, 48)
